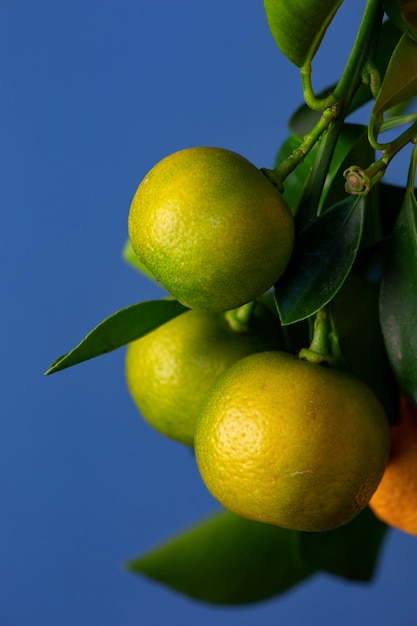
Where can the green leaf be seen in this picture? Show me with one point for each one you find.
(400, 80)
(350, 551)
(324, 253)
(298, 26)
(227, 560)
(398, 298)
(358, 333)
(391, 199)
(119, 329)
(404, 15)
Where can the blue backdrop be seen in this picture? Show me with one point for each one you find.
(93, 94)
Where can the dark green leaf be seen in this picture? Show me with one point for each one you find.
(391, 199)
(398, 298)
(404, 15)
(323, 255)
(299, 26)
(119, 329)
(227, 560)
(359, 336)
(400, 80)
(350, 551)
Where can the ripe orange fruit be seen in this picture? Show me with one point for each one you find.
(395, 500)
(287, 442)
(211, 228)
(170, 370)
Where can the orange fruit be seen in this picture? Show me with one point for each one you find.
(211, 228)
(170, 370)
(395, 500)
(291, 443)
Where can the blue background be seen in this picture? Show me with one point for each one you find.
(93, 94)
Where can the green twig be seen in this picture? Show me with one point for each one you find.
(318, 351)
(365, 40)
(335, 106)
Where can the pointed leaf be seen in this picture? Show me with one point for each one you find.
(404, 15)
(400, 81)
(299, 26)
(227, 560)
(398, 298)
(119, 329)
(350, 551)
(323, 255)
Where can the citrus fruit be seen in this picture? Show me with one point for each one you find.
(211, 228)
(288, 442)
(170, 370)
(395, 500)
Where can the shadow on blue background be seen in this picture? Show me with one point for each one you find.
(93, 94)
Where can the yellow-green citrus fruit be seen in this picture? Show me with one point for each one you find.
(291, 443)
(395, 500)
(170, 370)
(211, 228)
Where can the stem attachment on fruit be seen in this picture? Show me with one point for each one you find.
(318, 352)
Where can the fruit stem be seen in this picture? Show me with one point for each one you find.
(318, 352)
(365, 41)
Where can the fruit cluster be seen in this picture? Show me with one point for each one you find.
(285, 351)
(287, 440)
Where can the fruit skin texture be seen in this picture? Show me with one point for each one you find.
(170, 370)
(395, 500)
(291, 443)
(211, 228)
